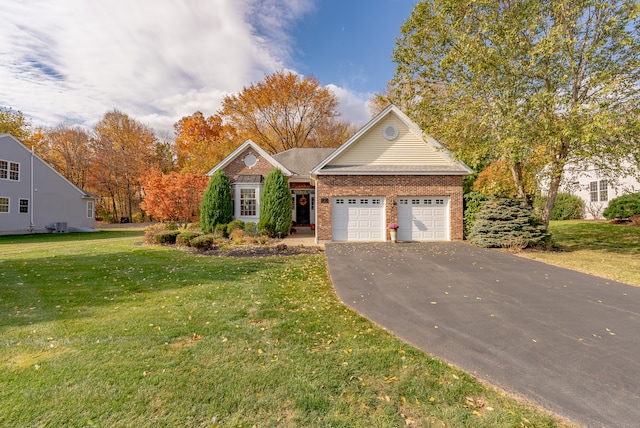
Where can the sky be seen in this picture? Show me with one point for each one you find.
(159, 60)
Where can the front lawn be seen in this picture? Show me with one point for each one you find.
(608, 250)
(98, 330)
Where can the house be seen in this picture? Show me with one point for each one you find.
(595, 188)
(36, 198)
(388, 172)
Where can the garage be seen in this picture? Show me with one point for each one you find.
(358, 219)
(423, 218)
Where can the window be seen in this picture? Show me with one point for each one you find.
(89, 209)
(9, 170)
(248, 202)
(4, 205)
(24, 206)
(604, 193)
(598, 191)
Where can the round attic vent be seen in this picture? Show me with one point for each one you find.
(250, 160)
(390, 132)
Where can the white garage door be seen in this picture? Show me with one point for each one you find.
(358, 219)
(424, 218)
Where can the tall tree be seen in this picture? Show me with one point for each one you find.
(123, 149)
(13, 122)
(174, 196)
(67, 148)
(285, 111)
(275, 204)
(534, 83)
(202, 142)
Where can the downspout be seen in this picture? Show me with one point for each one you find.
(31, 225)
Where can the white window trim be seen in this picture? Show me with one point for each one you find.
(237, 202)
(8, 211)
(9, 171)
(90, 209)
(20, 206)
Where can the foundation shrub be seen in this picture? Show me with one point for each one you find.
(623, 206)
(185, 237)
(167, 237)
(234, 225)
(204, 242)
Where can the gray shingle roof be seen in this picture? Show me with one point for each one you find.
(301, 161)
(453, 169)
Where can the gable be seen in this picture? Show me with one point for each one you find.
(248, 159)
(391, 143)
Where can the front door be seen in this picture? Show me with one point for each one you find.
(303, 202)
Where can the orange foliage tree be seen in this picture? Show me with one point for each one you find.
(202, 142)
(497, 180)
(286, 111)
(174, 196)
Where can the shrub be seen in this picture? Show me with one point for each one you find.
(220, 230)
(567, 207)
(623, 206)
(185, 237)
(275, 206)
(204, 242)
(217, 206)
(251, 229)
(151, 231)
(473, 203)
(237, 236)
(505, 223)
(235, 224)
(171, 225)
(167, 237)
(266, 228)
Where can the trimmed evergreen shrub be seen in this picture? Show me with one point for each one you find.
(251, 229)
(235, 224)
(505, 223)
(150, 232)
(204, 242)
(567, 207)
(266, 228)
(473, 203)
(185, 237)
(166, 237)
(275, 205)
(220, 230)
(623, 206)
(217, 206)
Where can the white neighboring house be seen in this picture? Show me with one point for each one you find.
(595, 188)
(36, 198)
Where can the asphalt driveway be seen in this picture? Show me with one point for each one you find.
(567, 341)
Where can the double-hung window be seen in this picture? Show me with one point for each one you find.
(89, 209)
(599, 191)
(4, 205)
(24, 206)
(9, 170)
(248, 203)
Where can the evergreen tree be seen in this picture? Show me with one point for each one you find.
(216, 207)
(504, 223)
(275, 205)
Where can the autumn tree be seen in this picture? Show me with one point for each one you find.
(202, 142)
(536, 84)
(15, 123)
(123, 150)
(174, 196)
(286, 111)
(67, 149)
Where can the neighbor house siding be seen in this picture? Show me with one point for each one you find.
(392, 186)
(374, 149)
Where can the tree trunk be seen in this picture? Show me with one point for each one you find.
(557, 168)
(516, 174)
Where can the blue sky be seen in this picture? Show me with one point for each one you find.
(160, 60)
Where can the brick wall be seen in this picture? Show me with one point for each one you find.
(388, 186)
(237, 167)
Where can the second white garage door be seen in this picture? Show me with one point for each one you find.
(423, 218)
(358, 219)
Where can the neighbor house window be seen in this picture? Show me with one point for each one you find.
(4, 205)
(89, 209)
(248, 202)
(24, 206)
(599, 191)
(9, 170)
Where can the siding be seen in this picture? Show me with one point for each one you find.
(406, 149)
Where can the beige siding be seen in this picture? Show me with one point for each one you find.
(406, 149)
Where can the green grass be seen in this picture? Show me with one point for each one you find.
(97, 330)
(608, 250)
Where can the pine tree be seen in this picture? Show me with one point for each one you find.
(275, 205)
(217, 207)
(504, 223)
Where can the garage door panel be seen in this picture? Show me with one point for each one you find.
(358, 219)
(423, 218)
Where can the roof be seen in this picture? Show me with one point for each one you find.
(393, 170)
(226, 161)
(300, 161)
(253, 179)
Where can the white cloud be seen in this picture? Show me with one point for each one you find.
(157, 60)
(353, 106)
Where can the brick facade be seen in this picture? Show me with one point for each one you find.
(388, 186)
(237, 167)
